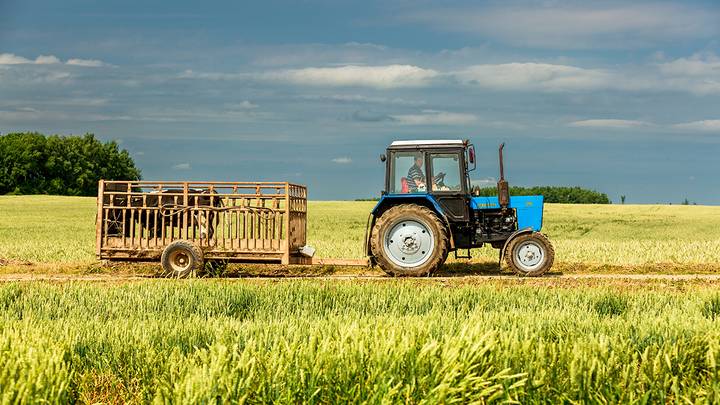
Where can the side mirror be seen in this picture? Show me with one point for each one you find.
(383, 158)
(471, 158)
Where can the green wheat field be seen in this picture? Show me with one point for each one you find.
(451, 340)
(395, 341)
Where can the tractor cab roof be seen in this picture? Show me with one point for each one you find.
(436, 143)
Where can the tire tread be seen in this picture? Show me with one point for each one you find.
(414, 210)
(549, 252)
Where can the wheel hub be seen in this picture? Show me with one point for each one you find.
(529, 255)
(179, 261)
(409, 243)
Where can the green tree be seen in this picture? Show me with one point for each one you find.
(31, 163)
(554, 194)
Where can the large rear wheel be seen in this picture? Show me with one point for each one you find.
(530, 254)
(409, 240)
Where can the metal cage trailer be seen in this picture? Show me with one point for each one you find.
(185, 223)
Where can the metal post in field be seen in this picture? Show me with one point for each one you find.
(99, 219)
(185, 211)
(286, 242)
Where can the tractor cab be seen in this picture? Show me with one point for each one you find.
(426, 211)
(443, 166)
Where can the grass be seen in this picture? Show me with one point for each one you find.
(50, 229)
(208, 341)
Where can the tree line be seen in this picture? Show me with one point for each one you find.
(32, 163)
(554, 194)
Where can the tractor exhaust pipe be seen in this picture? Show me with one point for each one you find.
(502, 185)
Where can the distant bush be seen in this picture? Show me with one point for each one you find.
(32, 163)
(555, 194)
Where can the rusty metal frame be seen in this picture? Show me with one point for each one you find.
(236, 221)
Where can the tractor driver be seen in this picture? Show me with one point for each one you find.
(416, 177)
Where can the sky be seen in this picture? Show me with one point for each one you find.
(621, 97)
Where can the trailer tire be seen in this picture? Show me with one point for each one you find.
(530, 254)
(180, 258)
(431, 233)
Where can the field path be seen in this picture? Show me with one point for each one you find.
(461, 278)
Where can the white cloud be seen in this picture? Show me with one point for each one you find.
(534, 76)
(191, 74)
(243, 105)
(704, 125)
(357, 98)
(182, 166)
(383, 77)
(247, 105)
(85, 62)
(610, 123)
(566, 26)
(344, 160)
(699, 64)
(431, 117)
(699, 73)
(12, 59)
(46, 60)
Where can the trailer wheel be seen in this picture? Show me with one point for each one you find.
(530, 254)
(180, 258)
(409, 240)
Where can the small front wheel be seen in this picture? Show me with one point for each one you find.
(530, 254)
(180, 258)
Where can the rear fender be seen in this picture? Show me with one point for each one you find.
(513, 236)
(388, 201)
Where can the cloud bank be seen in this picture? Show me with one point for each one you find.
(564, 25)
(12, 59)
(382, 77)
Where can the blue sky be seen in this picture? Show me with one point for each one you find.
(623, 97)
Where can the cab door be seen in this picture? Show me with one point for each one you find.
(447, 183)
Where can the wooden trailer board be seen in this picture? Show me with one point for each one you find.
(235, 221)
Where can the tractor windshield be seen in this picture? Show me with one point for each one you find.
(445, 170)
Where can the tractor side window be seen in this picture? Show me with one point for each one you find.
(408, 173)
(446, 174)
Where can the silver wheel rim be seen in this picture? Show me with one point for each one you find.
(409, 243)
(529, 255)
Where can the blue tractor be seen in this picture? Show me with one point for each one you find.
(428, 210)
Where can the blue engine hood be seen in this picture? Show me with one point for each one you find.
(529, 209)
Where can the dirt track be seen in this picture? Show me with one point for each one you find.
(459, 278)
